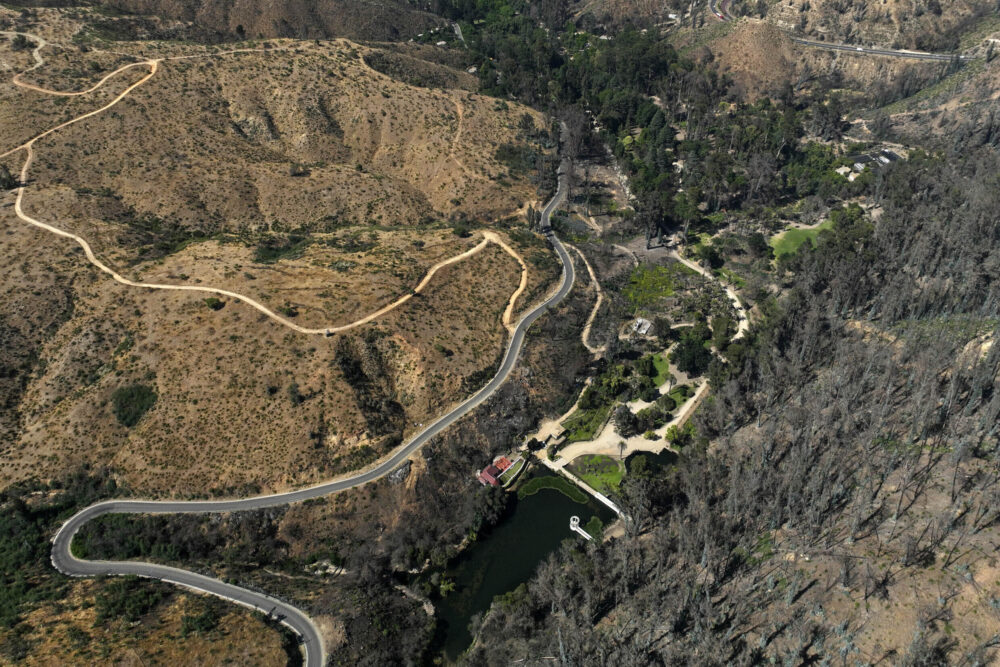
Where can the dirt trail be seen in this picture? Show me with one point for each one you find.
(40, 44)
(153, 64)
(30, 86)
(585, 334)
(744, 324)
(460, 111)
(508, 313)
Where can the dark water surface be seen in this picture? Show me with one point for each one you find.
(505, 558)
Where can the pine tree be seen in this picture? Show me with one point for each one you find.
(7, 181)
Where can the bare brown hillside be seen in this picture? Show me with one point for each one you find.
(370, 148)
(932, 25)
(761, 59)
(303, 19)
(240, 399)
(289, 172)
(70, 633)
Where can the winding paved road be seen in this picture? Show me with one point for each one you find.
(721, 12)
(64, 561)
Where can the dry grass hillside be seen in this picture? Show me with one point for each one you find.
(758, 57)
(933, 25)
(240, 399)
(356, 19)
(210, 144)
(70, 633)
(293, 174)
(761, 59)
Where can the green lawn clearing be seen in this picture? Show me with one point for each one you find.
(788, 241)
(601, 472)
(584, 424)
(511, 473)
(650, 283)
(681, 394)
(662, 365)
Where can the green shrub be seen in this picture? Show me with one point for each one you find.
(127, 598)
(666, 402)
(274, 248)
(132, 402)
(20, 43)
(519, 159)
(7, 181)
(200, 623)
(595, 527)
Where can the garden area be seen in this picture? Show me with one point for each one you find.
(789, 241)
(603, 473)
(648, 284)
(511, 473)
(583, 424)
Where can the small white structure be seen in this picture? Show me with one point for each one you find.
(641, 326)
(574, 525)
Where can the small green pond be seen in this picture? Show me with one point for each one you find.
(505, 558)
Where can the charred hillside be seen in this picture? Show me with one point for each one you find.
(843, 496)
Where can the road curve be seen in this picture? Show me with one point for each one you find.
(722, 13)
(64, 561)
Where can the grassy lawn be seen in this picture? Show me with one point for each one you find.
(662, 365)
(680, 394)
(730, 277)
(601, 472)
(560, 484)
(511, 472)
(650, 283)
(583, 424)
(788, 241)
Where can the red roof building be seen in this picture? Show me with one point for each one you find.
(490, 475)
(502, 463)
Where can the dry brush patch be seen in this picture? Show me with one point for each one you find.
(68, 633)
(242, 402)
(762, 59)
(226, 413)
(301, 137)
(336, 279)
